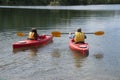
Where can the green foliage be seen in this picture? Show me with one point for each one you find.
(69, 2)
(59, 2)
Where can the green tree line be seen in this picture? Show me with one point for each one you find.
(57, 2)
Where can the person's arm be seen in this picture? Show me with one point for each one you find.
(71, 36)
(85, 36)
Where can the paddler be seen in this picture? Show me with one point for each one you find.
(33, 35)
(78, 36)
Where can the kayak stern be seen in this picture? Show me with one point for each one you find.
(79, 47)
(32, 43)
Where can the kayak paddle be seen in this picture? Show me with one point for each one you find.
(21, 34)
(58, 34)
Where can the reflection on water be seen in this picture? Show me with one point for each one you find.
(32, 50)
(18, 50)
(79, 58)
(98, 55)
(46, 19)
(56, 53)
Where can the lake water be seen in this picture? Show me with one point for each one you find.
(56, 61)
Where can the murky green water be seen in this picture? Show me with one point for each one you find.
(56, 61)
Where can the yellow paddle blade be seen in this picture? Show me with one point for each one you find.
(56, 34)
(21, 34)
(99, 33)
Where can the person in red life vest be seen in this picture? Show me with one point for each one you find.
(33, 35)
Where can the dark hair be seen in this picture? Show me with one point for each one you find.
(33, 30)
(79, 30)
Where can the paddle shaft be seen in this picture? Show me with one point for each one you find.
(73, 33)
(58, 34)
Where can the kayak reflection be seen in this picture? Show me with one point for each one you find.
(56, 53)
(56, 57)
(33, 50)
(20, 49)
(79, 58)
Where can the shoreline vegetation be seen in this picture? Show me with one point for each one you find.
(55, 2)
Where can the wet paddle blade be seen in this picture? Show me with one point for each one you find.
(21, 34)
(99, 33)
(56, 34)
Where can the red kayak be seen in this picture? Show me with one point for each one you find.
(79, 47)
(44, 39)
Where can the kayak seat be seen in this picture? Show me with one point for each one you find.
(82, 46)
